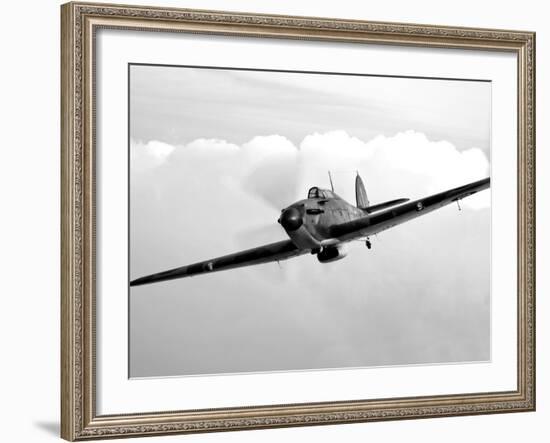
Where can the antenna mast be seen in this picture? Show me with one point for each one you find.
(331, 184)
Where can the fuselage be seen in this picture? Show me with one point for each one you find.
(307, 222)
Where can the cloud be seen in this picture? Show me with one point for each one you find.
(276, 170)
(211, 147)
(420, 295)
(148, 155)
(437, 164)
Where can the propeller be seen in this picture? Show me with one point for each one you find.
(276, 183)
(260, 235)
(290, 220)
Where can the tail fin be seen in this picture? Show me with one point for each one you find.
(360, 193)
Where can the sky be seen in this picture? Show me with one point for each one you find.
(216, 154)
(183, 104)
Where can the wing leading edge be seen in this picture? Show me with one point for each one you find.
(380, 221)
(368, 225)
(255, 256)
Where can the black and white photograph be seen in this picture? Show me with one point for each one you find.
(290, 221)
(229, 221)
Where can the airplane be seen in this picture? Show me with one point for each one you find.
(322, 224)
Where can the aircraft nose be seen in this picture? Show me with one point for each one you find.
(291, 219)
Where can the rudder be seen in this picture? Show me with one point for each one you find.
(361, 193)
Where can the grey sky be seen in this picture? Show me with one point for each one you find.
(421, 295)
(182, 104)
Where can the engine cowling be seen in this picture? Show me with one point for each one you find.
(332, 253)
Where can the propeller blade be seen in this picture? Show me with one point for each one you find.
(260, 235)
(275, 183)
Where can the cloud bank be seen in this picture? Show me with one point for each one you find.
(421, 295)
(274, 168)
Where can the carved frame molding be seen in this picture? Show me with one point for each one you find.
(79, 23)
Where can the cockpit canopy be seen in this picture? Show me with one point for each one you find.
(316, 192)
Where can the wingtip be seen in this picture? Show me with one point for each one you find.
(139, 282)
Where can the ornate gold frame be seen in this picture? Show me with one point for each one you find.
(79, 21)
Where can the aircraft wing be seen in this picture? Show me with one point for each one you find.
(255, 256)
(380, 221)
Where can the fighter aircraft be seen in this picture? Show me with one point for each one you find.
(321, 225)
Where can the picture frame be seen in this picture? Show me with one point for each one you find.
(80, 23)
